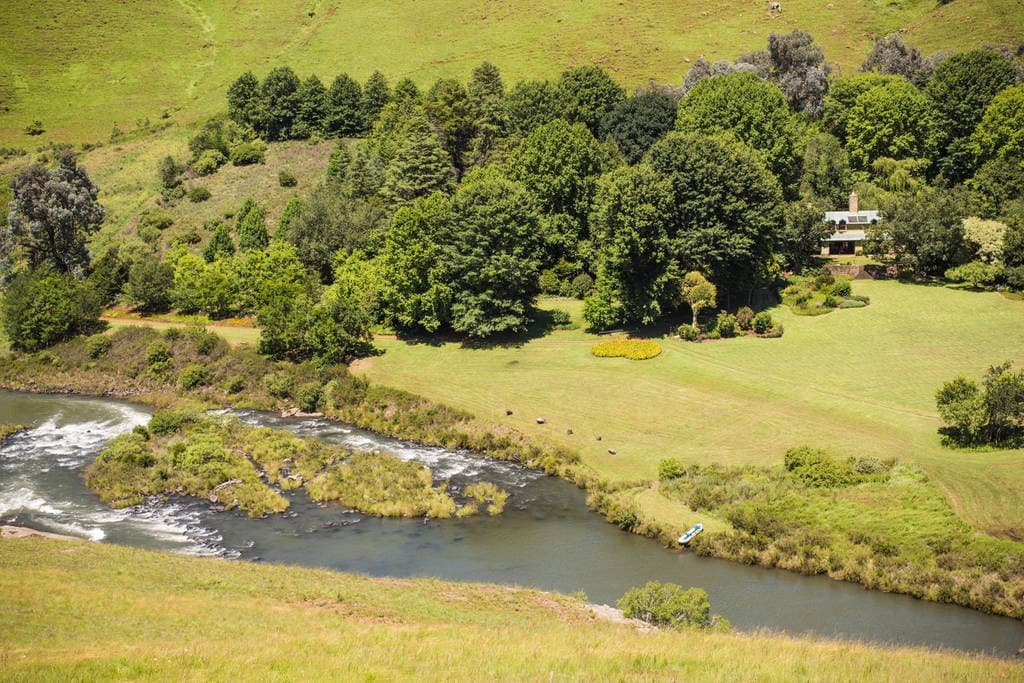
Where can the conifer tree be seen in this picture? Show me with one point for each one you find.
(344, 114)
(419, 167)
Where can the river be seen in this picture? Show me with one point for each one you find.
(546, 538)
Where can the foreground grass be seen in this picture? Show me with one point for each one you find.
(858, 382)
(75, 610)
(110, 79)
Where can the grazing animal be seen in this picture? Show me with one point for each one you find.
(598, 437)
(507, 411)
(774, 6)
(611, 451)
(568, 431)
(541, 420)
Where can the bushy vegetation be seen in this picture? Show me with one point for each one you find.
(633, 349)
(820, 293)
(7, 429)
(874, 522)
(992, 414)
(670, 605)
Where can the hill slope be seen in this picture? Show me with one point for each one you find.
(77, 610)
(81, 68)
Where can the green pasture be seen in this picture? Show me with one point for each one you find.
(90, 611)
(856, 382)
(232, 334)
(84, 68)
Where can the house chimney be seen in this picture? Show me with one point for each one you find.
(853, 202)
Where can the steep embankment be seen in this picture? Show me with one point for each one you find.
(82, 68)
(112, 612)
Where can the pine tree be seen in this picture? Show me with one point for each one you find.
(419, 168)
(220, 244)
(312, 108)
(344, 114)
(251, 227)
(376, 94)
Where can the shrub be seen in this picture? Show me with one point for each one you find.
(286, 178)
(198, 194)
(842, 288)
(97, 345)
(158, 352)
(852, 303)
(830, 301)
(670, 468)
(668, 605)
(155, 219)
(192, 376)
(689, 332)
(549, 282)
(633, 349)
(277, 384)
(560, 318)
(726, 324)
(975, 274)
(581, 286)
(204, 340)
(35, 128)
(308, 396)
(762, 323)
(823, 279)
(165, 422)
(149, 284)
(745, 318)
(128, 449)
(234, 384)
(814, 467)
(247, 153)
(208, 162)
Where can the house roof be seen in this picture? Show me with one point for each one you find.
(848, 236)
(859, 218)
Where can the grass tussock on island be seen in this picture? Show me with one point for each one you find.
(338, 626)
(237, 466)
(7, 430)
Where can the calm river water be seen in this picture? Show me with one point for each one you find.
(546, 538)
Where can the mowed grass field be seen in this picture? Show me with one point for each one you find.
(73, 610)
(82, 68)
(856, 382)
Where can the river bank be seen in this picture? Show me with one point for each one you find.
(115, 612)
(985, 574)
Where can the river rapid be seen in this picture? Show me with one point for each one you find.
(546, 538)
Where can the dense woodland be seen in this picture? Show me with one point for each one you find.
(449, 210)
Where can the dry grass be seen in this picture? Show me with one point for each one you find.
(93, 611)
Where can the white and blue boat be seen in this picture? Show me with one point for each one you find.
(690, 533)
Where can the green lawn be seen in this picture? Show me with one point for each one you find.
(857, 382)
(74, 610)
(82, 68)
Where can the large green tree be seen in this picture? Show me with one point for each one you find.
(376, 94)
(251, 226)
(559, 164)
(311, 113)
(278, 104)
(452, 114)
(585, 94)
(960, 89)
(726, 209)
(412, 296)
(637, 278)
(492, 256)
(751, 109)
(922, 232)
(841, 97)
(1000, 134)
(51, 213)
(893, 120)
(530, 104)
(43, 306)
(638, 122)
(344, 116)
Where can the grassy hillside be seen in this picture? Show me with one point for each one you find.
(82, 68)
(89, 611)
(857, 382)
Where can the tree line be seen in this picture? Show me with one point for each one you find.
(449, 210)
